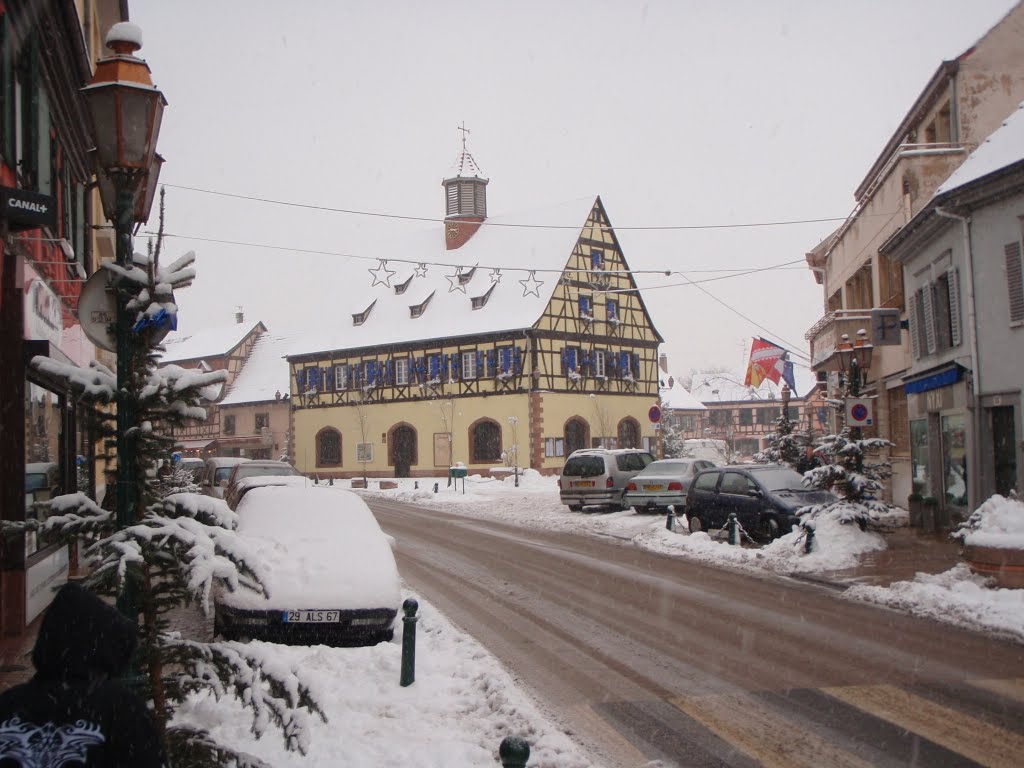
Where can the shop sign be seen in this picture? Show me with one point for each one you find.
(27, 210)
(44, 313)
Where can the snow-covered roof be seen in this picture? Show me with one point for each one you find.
(677, 397)
(1005, 146)
(505, 255)
(209, 342)
(728, 387)
(265, 374)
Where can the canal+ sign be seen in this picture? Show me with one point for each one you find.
(27, 210)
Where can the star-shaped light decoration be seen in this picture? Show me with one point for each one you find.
(495, 275)
(454, 283)
(421, 270)
(531, 285)
(382, 274)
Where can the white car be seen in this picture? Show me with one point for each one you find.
(328, 569)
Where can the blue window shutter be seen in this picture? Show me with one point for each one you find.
(571, 353)
(389, 371)
(435, 367)
(506, 359)
(584, 361)
(635, 364)
(584, 305)
(444, 366)
(480, 362)
(565, 360)
(314, 378)
(517, 360)
(329, 378)
(596, 259)
(624, 367)
(454, 364)
(300, 378)
(492, 366)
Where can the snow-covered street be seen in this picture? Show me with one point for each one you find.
(464, 702)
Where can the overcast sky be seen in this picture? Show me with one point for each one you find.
(682, 114)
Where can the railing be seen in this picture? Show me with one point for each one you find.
(825, 334)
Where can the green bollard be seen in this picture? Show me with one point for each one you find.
(809, 538)
(670, 521)
(734, 529)
(514, 752)
(409, 642)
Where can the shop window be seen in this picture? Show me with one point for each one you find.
(919, 456)
(954, 459)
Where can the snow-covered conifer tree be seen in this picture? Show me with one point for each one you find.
(853, 471)
(787, 445)
(178, 548)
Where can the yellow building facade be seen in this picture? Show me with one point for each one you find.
(487, 343)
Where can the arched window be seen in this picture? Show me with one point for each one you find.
(328, 447)
(629, 433)
(485, 441)
(577, 435)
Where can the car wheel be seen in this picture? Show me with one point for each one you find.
(575, 507)
(696, 525)
(770, 529)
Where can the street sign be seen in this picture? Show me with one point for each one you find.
(654, 414)
(860, 412)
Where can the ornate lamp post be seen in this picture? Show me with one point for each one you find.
(126, 109)
(855, 357)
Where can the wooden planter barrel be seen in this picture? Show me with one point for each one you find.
(1004, 565)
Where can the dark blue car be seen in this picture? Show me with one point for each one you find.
(765, 498)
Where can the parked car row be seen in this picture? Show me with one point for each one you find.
(764, 497)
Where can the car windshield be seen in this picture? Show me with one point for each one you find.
(667, 468)
(781, 479)
(261, 470)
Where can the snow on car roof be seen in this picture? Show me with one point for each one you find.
(321, 548)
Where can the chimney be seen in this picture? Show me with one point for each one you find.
(663, 362)
(239, 315)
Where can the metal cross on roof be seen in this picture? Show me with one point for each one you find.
(465, 132)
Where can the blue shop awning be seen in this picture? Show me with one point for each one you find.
(934, 379)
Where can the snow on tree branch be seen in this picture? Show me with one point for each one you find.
(96, 382)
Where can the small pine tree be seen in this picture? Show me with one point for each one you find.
(854, 472)
(787, 445)
(672, 436)
(180, 547)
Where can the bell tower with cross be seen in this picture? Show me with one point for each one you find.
(465, 194)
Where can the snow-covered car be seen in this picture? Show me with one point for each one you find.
(765, 498)
(236, 492)
(328, 569)
(662, 484)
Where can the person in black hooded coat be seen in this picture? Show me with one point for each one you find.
(72, 712)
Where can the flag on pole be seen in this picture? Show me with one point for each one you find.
(766, 362)
(788, 376)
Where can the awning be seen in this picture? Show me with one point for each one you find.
(933, 379)
(192, 445)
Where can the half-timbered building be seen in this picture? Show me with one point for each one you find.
(487, 341)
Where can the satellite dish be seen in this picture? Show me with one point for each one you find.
(97, 310)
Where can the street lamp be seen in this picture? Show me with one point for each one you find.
(855, 357)
(513, 421)
(126, 109)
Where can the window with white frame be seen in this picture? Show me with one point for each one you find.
(402, 371)
(469, 370)
(600, 364)
(935, 325)
(341, 376)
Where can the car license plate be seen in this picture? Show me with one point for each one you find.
(311, 617)
(584, 484)
(652, 487)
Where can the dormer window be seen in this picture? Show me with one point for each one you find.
(401, 288)
(465, 277)
(360, 317)
(480, 301)
(596, 259)
(416, 310)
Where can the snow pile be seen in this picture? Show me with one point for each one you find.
(999, 522)
(461, 706)
(957, 597)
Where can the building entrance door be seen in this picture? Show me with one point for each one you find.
(403, 449)
(1004, 448)
(576, 436)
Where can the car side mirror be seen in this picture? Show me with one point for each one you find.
(757, 492)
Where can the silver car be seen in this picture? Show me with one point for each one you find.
(598, 476)
(216, 472)
(662, 484)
